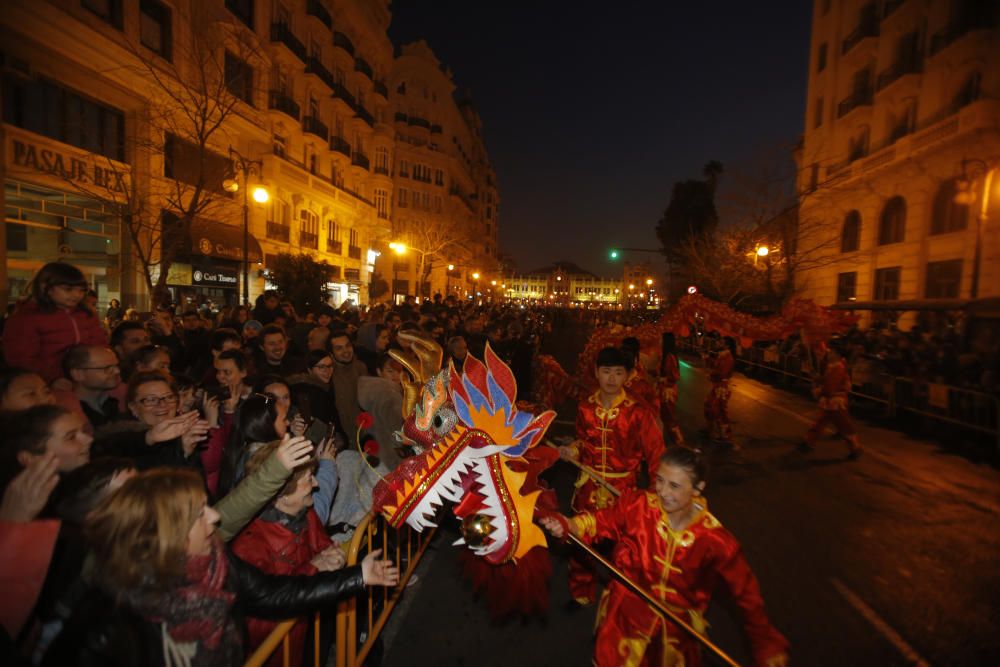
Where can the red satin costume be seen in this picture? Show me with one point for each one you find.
(681, 569)
(833, 389)
(639, 387)
(720, 369)
(670, 373)
(615, 442)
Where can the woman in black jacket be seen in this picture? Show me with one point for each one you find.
(168, 592)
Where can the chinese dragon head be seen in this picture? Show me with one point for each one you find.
(475, 450)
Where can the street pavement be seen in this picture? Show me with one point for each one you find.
(888, 560)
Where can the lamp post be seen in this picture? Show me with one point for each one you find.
(966, 196)
(246, 167)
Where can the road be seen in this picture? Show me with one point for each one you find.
(888, 560)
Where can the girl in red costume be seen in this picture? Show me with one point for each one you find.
(668, 543)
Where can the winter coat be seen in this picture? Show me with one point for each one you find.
(280, 544)
(38, 338)
(103, 633)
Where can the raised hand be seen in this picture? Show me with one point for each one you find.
(294, 451)
(379, 572)
(328, 449)
(27, 493)
(554, 526)
(196, 433)
(171, 428)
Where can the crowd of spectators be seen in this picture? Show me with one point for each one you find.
(138, 444)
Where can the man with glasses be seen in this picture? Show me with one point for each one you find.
(95, 374)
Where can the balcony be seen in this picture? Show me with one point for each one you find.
(859, 98)
(284, 103)
(400, 117)
(384, 171)
(354, 252)
(313, 125)
(315, 67)
(900, 68)
(282, 34)
(340, 145)
(344, 42)
(340, 92)
(975, 19)
(309, 240)
(361, 65)
(365, 115)
(435, 129)
(334, 247)
(381, 89)
(315, 8)
(867, 27)
(360, 160)
(419, 122)
(278, 232)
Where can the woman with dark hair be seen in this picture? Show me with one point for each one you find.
(257, 423)
(114, 314)
(312, 391)
(169, 593)
(52, 320)
(146, 358)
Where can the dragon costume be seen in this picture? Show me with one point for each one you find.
(477, 451)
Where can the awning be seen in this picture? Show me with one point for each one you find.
(217, 239)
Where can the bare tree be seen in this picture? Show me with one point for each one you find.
(435, 241)
(182, 132)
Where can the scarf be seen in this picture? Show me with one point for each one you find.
(195, 617)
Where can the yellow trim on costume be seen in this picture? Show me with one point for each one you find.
(586, 524)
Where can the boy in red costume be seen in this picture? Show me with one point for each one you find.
(832, 391)
(720, 369)
(615, 434)
(668, 543)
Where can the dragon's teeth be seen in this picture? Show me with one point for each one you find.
(459, 542)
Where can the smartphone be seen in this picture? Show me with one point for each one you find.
(221, 393)
(317, 431)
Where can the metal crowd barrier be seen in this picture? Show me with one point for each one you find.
(893, 396)
(404, 547)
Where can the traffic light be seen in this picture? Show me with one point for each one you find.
(613, 254)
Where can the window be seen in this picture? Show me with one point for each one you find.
(892, 226)
(402, 198)
(239, 78)
(944, 279)
(847, 286)
(354, 238)
(948, 215)
(280, 145)
(404, 168)
(887, 284)
(813, 176)
(46, 108)
(310, 221)
(243, 10)
(818, 113)
(382, 203)
(438, 177)
(858, 145)
(850, 238)
(821, 58)
(154, 27)
(381, 160)
(109, 11)
(279, 211)
(181, 162)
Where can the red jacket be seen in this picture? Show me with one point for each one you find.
(37, 338)
(275, 549)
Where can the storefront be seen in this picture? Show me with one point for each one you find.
(59, 206)
(212, 268)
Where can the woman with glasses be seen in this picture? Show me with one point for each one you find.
(156, 435)
(313, 392)
(52, 320)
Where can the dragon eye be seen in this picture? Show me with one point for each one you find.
(444, 421)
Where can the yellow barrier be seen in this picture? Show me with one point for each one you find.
(404, 547)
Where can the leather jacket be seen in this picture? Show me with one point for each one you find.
(103, 633)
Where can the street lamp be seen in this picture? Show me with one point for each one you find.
(762, 251)
(649, 281)
(966, 196)
(247, 168)
(398, 248)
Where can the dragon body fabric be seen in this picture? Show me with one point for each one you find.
(478, 453)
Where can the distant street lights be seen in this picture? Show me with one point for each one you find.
(247, 168)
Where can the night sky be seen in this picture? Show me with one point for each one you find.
(591, 111)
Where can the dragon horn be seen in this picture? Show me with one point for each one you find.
(421, 362)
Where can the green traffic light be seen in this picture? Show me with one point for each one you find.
(614, 254)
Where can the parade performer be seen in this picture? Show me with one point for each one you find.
(831, 390)
(638, 385)
(670, 373)
(615, 434)
(720, 368)
(669, 544)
